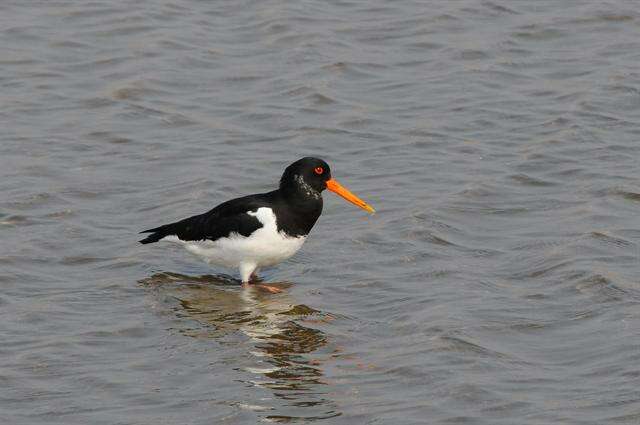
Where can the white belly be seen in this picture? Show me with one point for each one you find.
(264, 247)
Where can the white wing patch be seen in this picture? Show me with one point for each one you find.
(264, 247)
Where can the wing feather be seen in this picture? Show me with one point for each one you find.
(223, 220)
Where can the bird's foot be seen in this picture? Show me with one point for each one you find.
(269, 288)
(262, 287)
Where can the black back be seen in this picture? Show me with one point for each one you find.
(297, 204)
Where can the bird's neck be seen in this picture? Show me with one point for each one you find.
(298, 212)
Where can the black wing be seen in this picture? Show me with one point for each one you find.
(228, 217)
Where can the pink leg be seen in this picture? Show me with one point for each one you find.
(251, 280)
(269, 288)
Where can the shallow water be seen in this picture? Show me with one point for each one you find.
(497, 284)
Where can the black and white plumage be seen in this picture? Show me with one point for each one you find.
(258, 230)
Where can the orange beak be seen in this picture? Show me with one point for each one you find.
(336, 187)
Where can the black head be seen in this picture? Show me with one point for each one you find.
(303, 182)
(306, 177)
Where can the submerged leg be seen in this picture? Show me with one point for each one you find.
(253, 278)
(246, 271)
(268, 288)
(249, 276)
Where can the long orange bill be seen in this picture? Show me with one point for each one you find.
(336, 187)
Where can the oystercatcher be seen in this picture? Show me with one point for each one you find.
(259, 230)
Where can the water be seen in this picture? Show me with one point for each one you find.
(497, 284)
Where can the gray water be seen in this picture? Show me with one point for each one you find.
(497, 284)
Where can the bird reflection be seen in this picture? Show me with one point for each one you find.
(279, 341)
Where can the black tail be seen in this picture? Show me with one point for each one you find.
(158, 233)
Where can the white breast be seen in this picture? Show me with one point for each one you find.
(264, 247)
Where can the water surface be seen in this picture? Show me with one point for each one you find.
(497, 284)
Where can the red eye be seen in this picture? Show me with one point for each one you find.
(319, 170)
